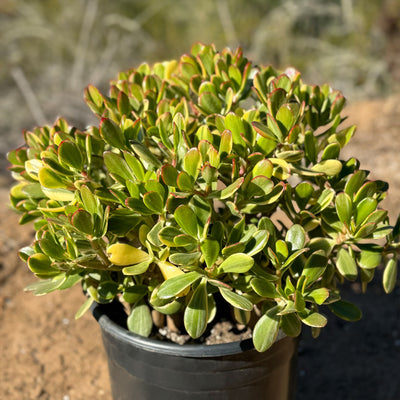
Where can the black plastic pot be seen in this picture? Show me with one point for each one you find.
(146, 369)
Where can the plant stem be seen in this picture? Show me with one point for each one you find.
(100, 252)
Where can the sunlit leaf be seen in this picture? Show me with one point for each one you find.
(196, 313)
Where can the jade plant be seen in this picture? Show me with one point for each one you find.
(208, 180)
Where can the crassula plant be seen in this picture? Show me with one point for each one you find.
(208, 180)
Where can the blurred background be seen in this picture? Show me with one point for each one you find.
(50, 50)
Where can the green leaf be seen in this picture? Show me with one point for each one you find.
(70, 154)
(50, 180)
(210, 249)
(238, 247)
(94, 99)
(70, 281)
(376, 217)
(291, 156)
(184, 240)
(390, 275)
(186, 219)
(137, 269)
(318, 295)
(296, 237)
(117, 166)
(154, 202)
(328, 167)
(82, 220)
(345, 310)
(235, 299)
(32, 190)
(225, 146)
(281, 250)
(274, 128)
(139, 320)
(231, 189)
(370, 256)
(367, 229)
(123, 104)
(41, 266)
(169, 175)
(26, 252)
(107, 290)
(185, 258)
(144, 154)
(299, 302)
(196, 313)
(192, 162)
(368, 189)
(257, 243)
(303, 193)
(89, 201)
(266, 329)
(263, 287)
(264, 168)
(259, 186)
(236, 263)
(315, 266)
(365, 208)
(175, 285)
(135, 165)
(281, 169)
(344, 207)
(168, 234)
(45, 286)
(210, 103)
(164, 124)
(291, 325)
(264, 131)
(185, 182)
(137, 205)
(112, 133)
(277, 97)
(315, 320)
(310, 143)
(324, 200)
(355, 182)
(209, 173)
(346, 265)
(285, 118)
(84, 307)
(133, 294)
(235, 124)
(331, 151)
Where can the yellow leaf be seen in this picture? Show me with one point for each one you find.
(59, 194)
(124, 254)
(32, 168)
(168, 271)
(281, 168)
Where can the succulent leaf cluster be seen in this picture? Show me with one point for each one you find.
(208, 179)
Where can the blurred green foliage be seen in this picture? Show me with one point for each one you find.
(51, 49)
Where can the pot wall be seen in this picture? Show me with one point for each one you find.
(142, 369)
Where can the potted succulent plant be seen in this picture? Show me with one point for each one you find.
(211, 188)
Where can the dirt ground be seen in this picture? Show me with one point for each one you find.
(46, 355)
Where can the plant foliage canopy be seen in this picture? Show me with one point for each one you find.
(207, 179)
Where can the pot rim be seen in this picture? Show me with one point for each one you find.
(108, 325)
